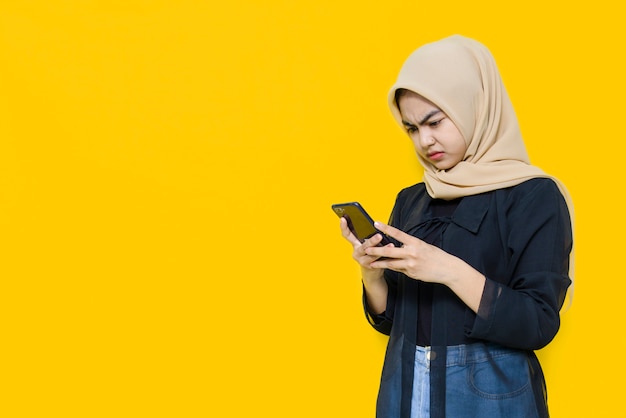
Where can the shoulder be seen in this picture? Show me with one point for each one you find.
(538, 189)
(415, 191)
(409, 200)
(538, 184)
(532, 198)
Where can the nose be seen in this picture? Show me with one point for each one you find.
(426, 138)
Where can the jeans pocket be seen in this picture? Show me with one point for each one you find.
(500, 377)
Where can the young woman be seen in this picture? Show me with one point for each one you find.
(481, 264)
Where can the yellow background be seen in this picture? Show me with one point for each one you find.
(166, 175)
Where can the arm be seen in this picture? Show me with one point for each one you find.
(524, 312)
(383, 321)
(374, 284)
(421, 261)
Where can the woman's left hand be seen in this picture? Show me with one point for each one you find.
(425, 262)
(416, 258)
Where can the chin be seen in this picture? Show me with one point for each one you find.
(442, 167)
(445, 165)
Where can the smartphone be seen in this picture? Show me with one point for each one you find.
(359, 222)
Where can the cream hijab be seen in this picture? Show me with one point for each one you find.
(459, 75)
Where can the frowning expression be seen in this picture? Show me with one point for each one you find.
(435, 137)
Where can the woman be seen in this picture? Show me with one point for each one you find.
(480, 269)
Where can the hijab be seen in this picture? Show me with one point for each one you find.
(459, 75)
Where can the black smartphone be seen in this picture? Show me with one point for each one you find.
(359, 222)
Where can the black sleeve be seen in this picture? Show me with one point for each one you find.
(524, 313)
(382, 322)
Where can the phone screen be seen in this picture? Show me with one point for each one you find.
(359, 222)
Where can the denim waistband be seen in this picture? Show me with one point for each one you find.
(460, 355)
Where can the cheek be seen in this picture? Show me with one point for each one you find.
(461, 146)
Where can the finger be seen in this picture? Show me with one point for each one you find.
(389, 251)
(370, 242)
(393, 232)
(363, 253)
(347, 234)
(377, 251)
(388, 263)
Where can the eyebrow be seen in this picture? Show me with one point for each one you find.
(424, 119)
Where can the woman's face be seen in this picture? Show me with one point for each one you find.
(435, 137)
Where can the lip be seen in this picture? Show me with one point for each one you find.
(435, 156)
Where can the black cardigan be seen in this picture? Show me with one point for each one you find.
(520, 238)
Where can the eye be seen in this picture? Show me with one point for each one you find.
(411, 129)
(435, 123)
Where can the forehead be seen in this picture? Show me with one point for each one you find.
(411, 103)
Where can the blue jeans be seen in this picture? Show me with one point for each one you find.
(482, 380)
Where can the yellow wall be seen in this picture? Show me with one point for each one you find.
(166, 174)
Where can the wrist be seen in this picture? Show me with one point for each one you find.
(371, 276)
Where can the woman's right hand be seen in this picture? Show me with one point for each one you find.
(373, 280)
(358, 252)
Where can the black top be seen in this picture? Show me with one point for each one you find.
(520, 238)
(441, 213)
